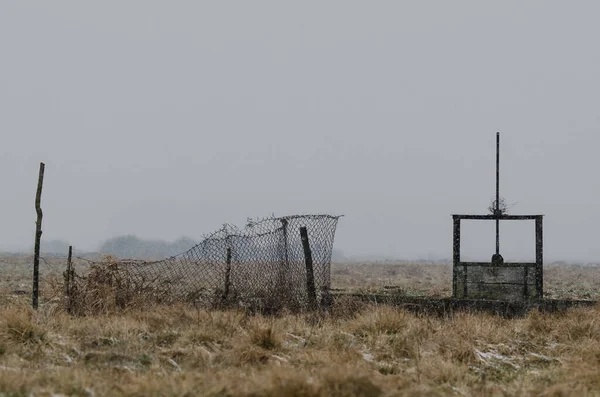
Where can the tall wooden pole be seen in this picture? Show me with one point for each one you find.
(38, 236)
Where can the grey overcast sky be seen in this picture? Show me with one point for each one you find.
(170, 118)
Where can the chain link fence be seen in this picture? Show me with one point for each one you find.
(271, 263)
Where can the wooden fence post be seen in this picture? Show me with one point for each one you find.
(310, 276)
(38, 236)
(227, 275)
(69, 278)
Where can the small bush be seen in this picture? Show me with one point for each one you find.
(17, 327)
(384, 320)
(264, 335)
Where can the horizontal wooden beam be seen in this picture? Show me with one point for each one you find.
(501, 217)
(505, 264)
(491, 283)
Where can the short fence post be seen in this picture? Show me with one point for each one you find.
(69, 278)
(284, 225)
(286, 255)
(227, 274)
(310, 276)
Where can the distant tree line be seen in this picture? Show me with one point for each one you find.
(56, 247)
(131, 246)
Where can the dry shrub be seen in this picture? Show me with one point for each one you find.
(347, 306)
(441, 371)
(109, 287)
(263, 333)
(459, 350)
(382, 320)
(538, 323)
(582, 324)
(18, 327)
(253, 341)
(276, 301)
(576, 325)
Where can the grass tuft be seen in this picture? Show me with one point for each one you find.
(18, 327)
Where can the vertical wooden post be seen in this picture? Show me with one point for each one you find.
(38, 236)
(284, 224)
(284, 273)
(227, 274)
(465, 280)
(539, 256)
(456, 260)
(68, 272)
(69, 278)
(525, 281)
(310, 276)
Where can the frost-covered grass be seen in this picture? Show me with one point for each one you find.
(356, 350)
(360, 351)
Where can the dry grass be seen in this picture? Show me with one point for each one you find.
(375, 351)
(355, 350)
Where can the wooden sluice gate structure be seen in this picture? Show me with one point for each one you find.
(498, 280)
(499, 287)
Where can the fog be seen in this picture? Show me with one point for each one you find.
(167, 119)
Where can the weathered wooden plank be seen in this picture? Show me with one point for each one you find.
(496, 275)
(481, 278)
(500, 275)
(501, 217)
(505, 264)
(501, 292)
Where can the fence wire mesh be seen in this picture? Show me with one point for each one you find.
(264, 264)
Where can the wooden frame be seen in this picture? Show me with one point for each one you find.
(529, 278)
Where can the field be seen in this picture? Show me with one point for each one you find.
(358, 349)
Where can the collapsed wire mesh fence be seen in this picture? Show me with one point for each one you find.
(278, 261)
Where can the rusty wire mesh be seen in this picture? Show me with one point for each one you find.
(263, 264)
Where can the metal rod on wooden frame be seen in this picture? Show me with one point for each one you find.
(497, 193)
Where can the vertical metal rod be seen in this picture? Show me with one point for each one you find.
(497, 192)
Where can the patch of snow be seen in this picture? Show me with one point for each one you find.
(174, 364)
